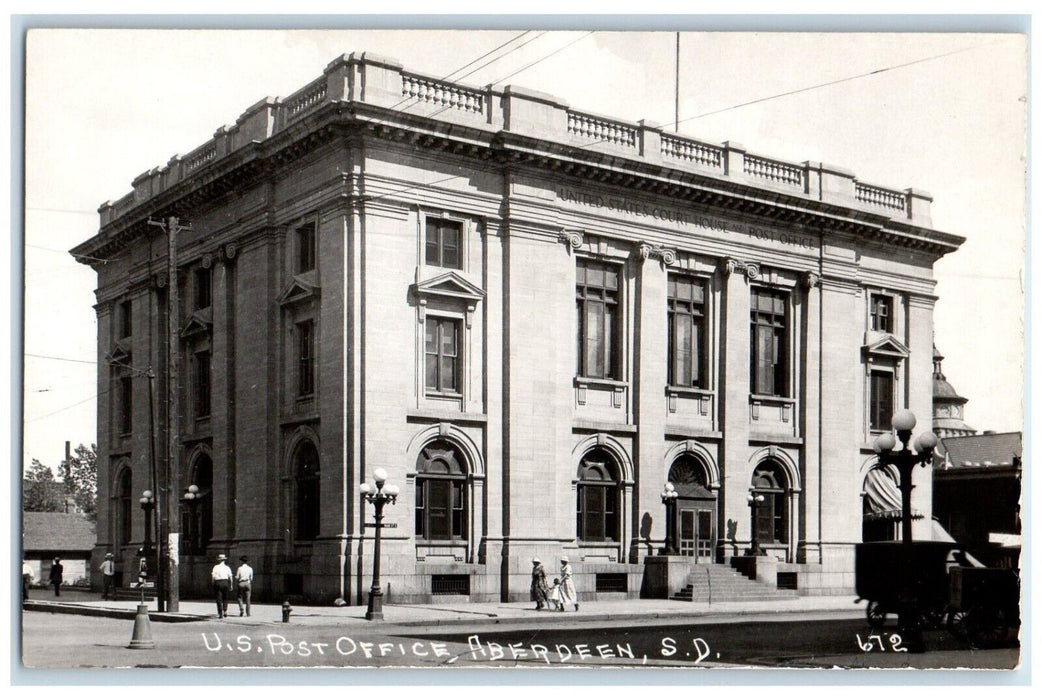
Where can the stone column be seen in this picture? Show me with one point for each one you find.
(649, 406)
(809, 524)
(733, 391)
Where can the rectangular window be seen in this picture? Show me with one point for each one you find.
(306, 243)
(770, 519)
(440, 513)
(202, 384)
(126, 406)
(768, 343)
(202, 288)
(881, 400)
(443, 243)
(442, 355)
(687, 332)
(597, 307)
(126, 320)
(882, 313)
(306, 358)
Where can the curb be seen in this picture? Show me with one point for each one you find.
(523, 623)
(119, 614)
(484, 620)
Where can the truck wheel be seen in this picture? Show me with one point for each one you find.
(986, 626)
(875, 614)
(956, 623)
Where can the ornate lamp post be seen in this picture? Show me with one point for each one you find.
(905, 460)
(755, 500)
(148, 502)
(669, 500)
(379, 494)
(191, 499)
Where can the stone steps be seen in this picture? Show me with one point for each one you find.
(720, 583)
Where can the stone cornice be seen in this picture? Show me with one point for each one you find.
(513, 129)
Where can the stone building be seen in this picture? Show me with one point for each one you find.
(530, 316)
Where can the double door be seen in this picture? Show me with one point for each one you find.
(697, 529)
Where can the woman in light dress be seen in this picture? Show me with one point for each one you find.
(568, 595)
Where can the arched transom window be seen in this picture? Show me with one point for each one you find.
(772, 516)
(441, 493)
(306, 473)
(597, 498)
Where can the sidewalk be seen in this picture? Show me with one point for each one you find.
(507, 614)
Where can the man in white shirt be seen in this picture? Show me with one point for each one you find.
(27, 578)
(244, 585)
(108, 573)
(221, 576)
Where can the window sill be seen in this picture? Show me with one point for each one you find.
(440, 543)
(601, 382)
(688, 390)
(771, 398)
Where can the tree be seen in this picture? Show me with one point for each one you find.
(80, 474)
(40, 492)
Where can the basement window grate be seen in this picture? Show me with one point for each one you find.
(611, 583)
(450, 584)
(787, 580)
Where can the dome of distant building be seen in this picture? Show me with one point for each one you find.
(947, 404)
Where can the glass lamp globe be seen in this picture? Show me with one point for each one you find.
(363, 488)
(391, 489)
(903, 420)
(885, 442)
(380, 476)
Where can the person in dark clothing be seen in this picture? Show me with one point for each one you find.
(56, 576)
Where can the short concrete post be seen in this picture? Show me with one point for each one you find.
(142, 637)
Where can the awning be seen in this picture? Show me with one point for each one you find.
(882, 495)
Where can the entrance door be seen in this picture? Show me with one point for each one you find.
(697, 537)
(705, 539)
(687, 533)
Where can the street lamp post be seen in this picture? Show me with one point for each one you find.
(669, 500)
(379, 494)
(191, 499)
(905, 461)
(755, 500)
(148, 502)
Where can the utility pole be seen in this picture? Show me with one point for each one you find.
(170, 536)
(676, 90)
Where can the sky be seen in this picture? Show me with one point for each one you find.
(944, 113)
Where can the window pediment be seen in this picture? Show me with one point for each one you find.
(884, 345)
(120, 353)
(449, 286)
(200, 322)
(303, 287)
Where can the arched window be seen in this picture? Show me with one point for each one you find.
(124, 508)
(596, 511)
(772, 516)
(441, 493)
(688, 476)
(306, 471)
(197, 517)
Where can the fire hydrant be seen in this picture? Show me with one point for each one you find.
(286, 610)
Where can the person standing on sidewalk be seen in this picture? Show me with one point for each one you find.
(568, 594)
(56, 576)
(221, 576)
(108, 573)
(27, 579)
(539, 591)
(244, 584)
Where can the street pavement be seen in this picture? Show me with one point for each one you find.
(92, 633)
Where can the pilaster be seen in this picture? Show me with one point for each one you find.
(734, 394)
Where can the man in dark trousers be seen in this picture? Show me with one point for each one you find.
(56, 576)
(221, 575)
(108, 573)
